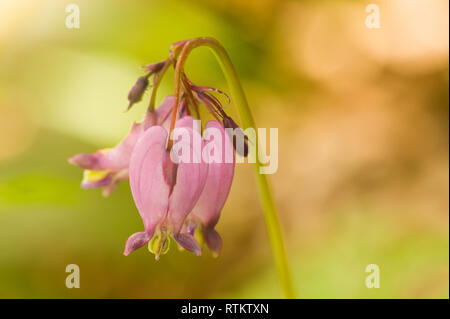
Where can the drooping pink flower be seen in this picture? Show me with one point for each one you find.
(217, 187)
(164, 190)
(107, 167)
(176, 198)
(173, 198)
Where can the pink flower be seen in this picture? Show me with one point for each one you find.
(207, 210)
(164, 192)
(178, 195)
(107, 167)
(172, 195)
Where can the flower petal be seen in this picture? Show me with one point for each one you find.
(135, 241)
(116, 178)
(148, 186)
(217, 187)
(212, 240)
(92, 179)
(118, 157)
(189, 243)
(164, 112)
(191, 177)
(86, 161)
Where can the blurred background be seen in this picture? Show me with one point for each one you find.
(363, 119)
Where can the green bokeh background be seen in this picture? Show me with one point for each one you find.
(363, 146)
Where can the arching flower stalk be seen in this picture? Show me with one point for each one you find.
(179, 177)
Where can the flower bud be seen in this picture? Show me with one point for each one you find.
(237, 135)
(137, 91)
(155, 67)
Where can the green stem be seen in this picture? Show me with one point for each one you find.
(158, 77)
(270, 213)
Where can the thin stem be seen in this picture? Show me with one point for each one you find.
(189, 95)
(270, 214)
(156, 81)
(158, 77)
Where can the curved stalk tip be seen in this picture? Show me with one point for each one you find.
(270, 214)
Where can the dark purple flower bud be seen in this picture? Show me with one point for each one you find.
(155, 67)
(137, 91)
(240, 140)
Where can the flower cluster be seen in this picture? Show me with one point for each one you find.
(175, 198)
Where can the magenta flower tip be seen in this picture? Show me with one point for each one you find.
(135, 241)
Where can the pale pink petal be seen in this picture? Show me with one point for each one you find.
(216, 190)
(190, 178)
(148, 186)
(119, 156)
(164, 111)
(86, 161)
